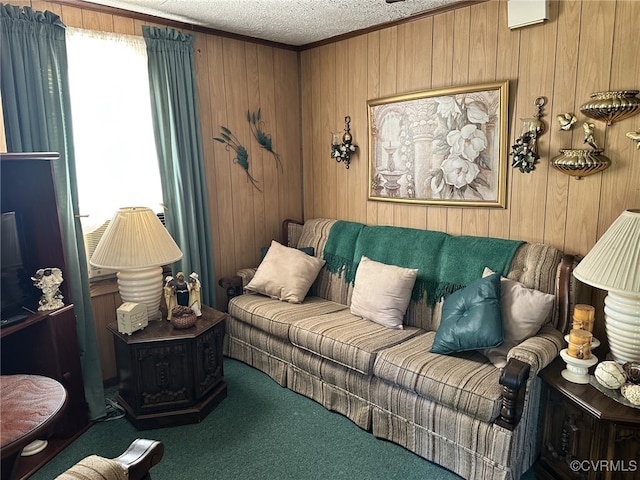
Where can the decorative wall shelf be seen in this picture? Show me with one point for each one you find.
(580, 162)
(612, 107)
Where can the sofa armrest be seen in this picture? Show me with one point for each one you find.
(539, 350)
(133, 464)
(246, 274)
(232, 286)
(513, 380)
(525, 361)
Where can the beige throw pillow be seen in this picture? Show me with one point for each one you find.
(524, 311)
(285, 273)
(382, 292)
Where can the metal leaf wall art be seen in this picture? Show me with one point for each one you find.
(242, 156)
(263, 139)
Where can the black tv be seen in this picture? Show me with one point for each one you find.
(17, 292)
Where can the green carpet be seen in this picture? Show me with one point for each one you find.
(260, 431)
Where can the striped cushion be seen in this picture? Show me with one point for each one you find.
(275, 317)
(347, 339)
(466, 382)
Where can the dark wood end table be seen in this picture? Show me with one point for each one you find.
(169, 376)
(30, 406)
(587, 435)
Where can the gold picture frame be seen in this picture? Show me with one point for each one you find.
(444, 147)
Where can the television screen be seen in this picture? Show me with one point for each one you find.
(17, 288)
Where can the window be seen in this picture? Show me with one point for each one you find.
(115, 150)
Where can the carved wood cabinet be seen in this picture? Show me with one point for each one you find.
(170, 376)
(587, 435)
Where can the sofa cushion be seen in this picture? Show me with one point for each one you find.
(285, 273)
(275, 317)
(471, 318)
(347, 339)
(382, 292)
(466, 381)
(524, 311)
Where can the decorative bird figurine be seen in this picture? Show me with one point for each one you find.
(588, 135)
(635, 136)
(566, 121)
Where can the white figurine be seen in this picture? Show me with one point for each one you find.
(169, 294)
(194, 294)
(49, 280)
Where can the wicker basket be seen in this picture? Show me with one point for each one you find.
(182, 317)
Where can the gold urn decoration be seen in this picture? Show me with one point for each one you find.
(580, 162)
(612, 107)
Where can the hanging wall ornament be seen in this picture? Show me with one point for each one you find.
(263, 139)
(242, 156)
(525, 151)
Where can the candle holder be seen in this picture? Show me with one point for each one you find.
(577, 370)
(342, 152)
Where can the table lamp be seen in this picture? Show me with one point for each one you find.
(613, 264)
(137, 245)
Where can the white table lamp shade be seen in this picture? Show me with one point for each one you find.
(613, 264)
(136, 244)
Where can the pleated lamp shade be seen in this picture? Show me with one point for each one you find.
(613, 264)
(136, 244)
(135, 238)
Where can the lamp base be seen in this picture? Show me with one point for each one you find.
(142, 286)
(622, 323)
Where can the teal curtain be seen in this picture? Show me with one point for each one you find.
(176, 122)
(37, 118)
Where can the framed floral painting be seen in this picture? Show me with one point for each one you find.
(441, 147)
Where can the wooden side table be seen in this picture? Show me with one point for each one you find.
(30, 405)
(169, 376)
(587, 435)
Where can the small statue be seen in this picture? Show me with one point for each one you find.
(182, 290)
(194, 294)
(588, 135)
(49, 280)
(169, 294)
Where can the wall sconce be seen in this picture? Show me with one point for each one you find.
(342, 151)
(525, 150)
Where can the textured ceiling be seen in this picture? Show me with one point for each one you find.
(292, 22)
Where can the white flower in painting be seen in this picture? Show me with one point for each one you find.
(458, 171)
(477, 112)
(467, 142)
(447, 107)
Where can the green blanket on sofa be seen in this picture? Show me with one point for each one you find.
(445, 262)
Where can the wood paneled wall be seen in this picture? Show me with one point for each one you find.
(585, 47)
(233, 76)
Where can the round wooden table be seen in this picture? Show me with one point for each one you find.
(30, 405)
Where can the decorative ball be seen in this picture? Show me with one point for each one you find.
(610, 375)
(632, 369)
(631, 392)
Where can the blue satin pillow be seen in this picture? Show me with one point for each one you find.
(471, 318)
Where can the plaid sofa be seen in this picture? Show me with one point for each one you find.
(458, 411)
